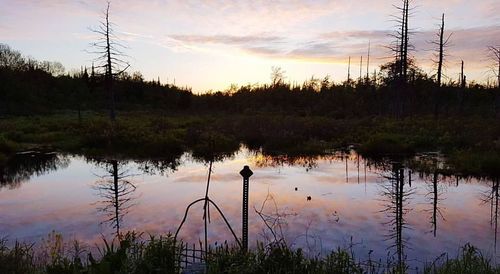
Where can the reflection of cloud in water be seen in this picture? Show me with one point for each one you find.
(63, 200)
(215, 178)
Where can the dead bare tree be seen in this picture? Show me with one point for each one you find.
(277, 76)
(434, 195)
(402, 46)
(492, 197)
(463, 79)
(442, 43)
(403, 40)
(116, 194)
(368, 62)
(361, 69)
(495, 56)
(396, 205)
(110, 57)
(349, 71)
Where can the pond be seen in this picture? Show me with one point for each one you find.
(377, 210)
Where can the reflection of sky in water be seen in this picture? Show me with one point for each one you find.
(340, 213)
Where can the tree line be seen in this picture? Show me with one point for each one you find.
(30, 88)
(399, 88)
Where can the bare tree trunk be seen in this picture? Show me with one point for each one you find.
(109, 70)
(462, 76)
(401, 52)
(497, 97)
(406, 39)
(349, 70)
(462, 90)
(435, 203)
(116, 198)
(402, 39)
(441, 52)
(368, 62)
(361, 69)
(495, 55)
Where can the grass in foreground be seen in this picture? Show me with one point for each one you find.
(159, 254)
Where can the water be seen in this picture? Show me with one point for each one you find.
(352, 204)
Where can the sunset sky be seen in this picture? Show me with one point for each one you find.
(208, 45)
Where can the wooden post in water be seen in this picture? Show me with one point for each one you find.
(245, 173)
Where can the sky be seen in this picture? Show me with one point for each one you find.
(211, 44)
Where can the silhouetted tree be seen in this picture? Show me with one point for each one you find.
(10, 58)
(54, 68)
(110, 57)
(349, 71)
(495, 56)
(361, 69)
(442, 43)
(401, 45)
(400, 50)
(368, 62)
(463, 79)
(277, 76)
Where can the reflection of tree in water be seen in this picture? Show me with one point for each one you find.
(492, 198)
(161, 167)
(116, 193)
(396, 197)
(21, 167)
(306, 161)
(309, 162)
(434, 195)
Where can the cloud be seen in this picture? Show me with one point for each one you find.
(374, 35)
(323, 31)
(467, 44)
(260, 45)
(226, 39)
(314, 49)
(264, 51)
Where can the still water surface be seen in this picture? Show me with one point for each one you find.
(352, 203)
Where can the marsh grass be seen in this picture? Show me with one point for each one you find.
(469, 261)
(471, 145)
(129, 253)
(136, 253)
(278, 258)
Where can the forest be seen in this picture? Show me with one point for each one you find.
(30, 87)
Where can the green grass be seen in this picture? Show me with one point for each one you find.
(470, 261)
(472, 145)
(130, 254)
(379, 145)
(136, 253)
(279, 258)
